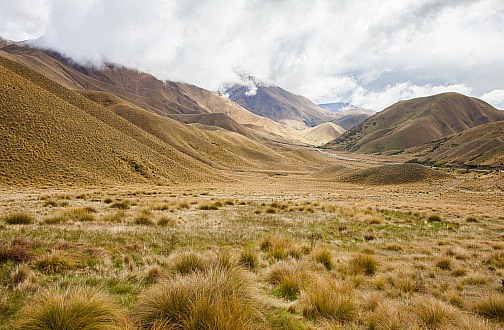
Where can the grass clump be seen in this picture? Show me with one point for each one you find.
(166, 221)
(288, 277)
(121, 205)
(444, 263)
(363, 264)
(328, 299)
(434, 314)
(54, 262)
(76, 308)
(249, 259)
(15, 253)
(188, 262)
(434, 218)
(81, 214)
(19, 219)
(491, 306)
(215, 299)
(324, 257)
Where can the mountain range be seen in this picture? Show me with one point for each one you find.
(64, 122)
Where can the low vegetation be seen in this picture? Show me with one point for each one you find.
(173, 261)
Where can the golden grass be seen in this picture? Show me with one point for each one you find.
(76, 308)
(215, 299)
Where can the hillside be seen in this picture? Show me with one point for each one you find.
(222, 149)
(52, 135)
(280, 105)
(143, 90)
(322, 133)
(479, 146)
(415, 122)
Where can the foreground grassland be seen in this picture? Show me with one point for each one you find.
(282, 256)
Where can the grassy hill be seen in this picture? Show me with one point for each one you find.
(54, 135)
(415, 122)
(479, 146)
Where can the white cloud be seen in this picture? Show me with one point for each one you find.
(363, 51)
(401, 91)
(495, 98)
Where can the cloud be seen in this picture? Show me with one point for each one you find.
(364, 51)
(495, 97)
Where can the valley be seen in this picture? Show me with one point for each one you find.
(127, 202)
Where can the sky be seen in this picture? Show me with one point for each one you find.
(368, 53)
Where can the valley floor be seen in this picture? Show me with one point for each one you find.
(314, 254)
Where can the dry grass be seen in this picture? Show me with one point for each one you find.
(76, 308)
(491, 306)
(19, 219)
(326, 298)
(363, 264)
(215, 299)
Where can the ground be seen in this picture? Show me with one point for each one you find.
(425, 255)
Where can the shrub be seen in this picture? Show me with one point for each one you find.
(328, 299)
(188, 262)
(324, 257)
(491, 306)
(248, 259)
(363, 264)
(76, 308)
(19, 219)
(215, 299)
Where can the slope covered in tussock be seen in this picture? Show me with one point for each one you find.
(223, 149)
(384, 175)
(414, 122)
(52, 135)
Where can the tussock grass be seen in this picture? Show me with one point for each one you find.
(363, 264)
(76, 308)
(444, 263)
(280, 248)
(324, 256)
(188, 262)
(19, 219)
(249, 259)
(215, 299)
(121, 205)
(54, 262)
(434, 314)
(326, 298)
(165, 221)
(491, 306)
(288, 277)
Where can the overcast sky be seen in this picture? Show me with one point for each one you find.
(369, 53)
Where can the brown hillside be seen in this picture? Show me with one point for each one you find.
(52, 135)
(392, 174)
(322, 133)
(223, 149)
(481, 145)
(414, 122)
(141, 89)
(281, 106)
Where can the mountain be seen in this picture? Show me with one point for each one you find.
(142, 89)
(53, 135)
(322, 133)
(336, 106)
(279, 105)
(417, 121)
(482, 145)
(352, 117)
